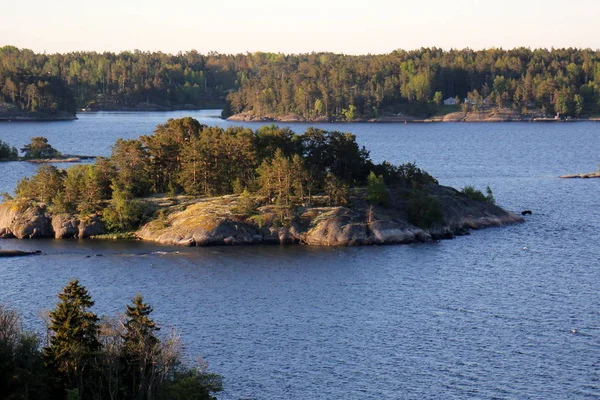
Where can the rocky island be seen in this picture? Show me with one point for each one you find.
(237, 186)
(588, 175)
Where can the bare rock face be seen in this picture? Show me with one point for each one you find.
(93, 226)
(337, 226)
(24, 222)
(65, 226)
(396, 232)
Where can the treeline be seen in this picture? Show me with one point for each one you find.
(118, 80)
(87, 357)
(316, 85)
(335, 86)
(185, 157)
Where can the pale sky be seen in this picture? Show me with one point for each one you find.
(342, 26)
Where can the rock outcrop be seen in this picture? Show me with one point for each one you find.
(214, 222)
(26, 221)
(582, 176)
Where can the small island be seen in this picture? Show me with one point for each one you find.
(193, 185)
(38, 151)
(588, 175)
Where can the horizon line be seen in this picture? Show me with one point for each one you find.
(248, 52)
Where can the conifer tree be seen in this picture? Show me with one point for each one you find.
(141, 350)
(73, 348)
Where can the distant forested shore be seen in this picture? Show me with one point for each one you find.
(424, 83)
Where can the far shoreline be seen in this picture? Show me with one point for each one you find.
(292, 118)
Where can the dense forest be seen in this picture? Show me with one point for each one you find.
(271, 165)
(316, 85)
(416, 82)
(83, 356)
(115, 81)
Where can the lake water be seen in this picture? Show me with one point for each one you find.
(485, 316)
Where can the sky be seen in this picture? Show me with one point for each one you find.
(341, 26)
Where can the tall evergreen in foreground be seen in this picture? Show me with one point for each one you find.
(140, 350)
(71, 356)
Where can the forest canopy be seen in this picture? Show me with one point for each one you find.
(315, 85)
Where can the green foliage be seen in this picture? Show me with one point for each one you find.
(246, 204)
(72, 353)
(193, 384)
(140, 350)
(437, 98)
(423, 210)
(406, 174)
(376, 191)
(8, 153)
(477, 195)
(282, 180)
(90, 359)
(311, 85)
(39, 148)
(408, 81)
(123, 214)
(43, 187)
(350, 113)
(334, 152)
(21, 365)
(336, 190)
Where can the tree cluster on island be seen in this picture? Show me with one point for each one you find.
(87, 357)
(271, 165)
(38, 148)
(315, 85)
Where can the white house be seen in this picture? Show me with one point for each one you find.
(450, 101)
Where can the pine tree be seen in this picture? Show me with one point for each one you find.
(71, 355)
(141, 350)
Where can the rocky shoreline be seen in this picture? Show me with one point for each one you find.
(35, 117)
(452, 117)
(214, 221)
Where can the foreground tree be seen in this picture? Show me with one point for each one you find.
(140, 351)
(21, 366)
(71, 356)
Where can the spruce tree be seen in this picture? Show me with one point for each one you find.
(73, 349)
(141, 350)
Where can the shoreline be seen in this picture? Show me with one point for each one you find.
(36, 119)
(214, 221)
(401, 120)
(588, 175)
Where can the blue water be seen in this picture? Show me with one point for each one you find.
(485, 316)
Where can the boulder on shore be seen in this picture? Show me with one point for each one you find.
(32, 221)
